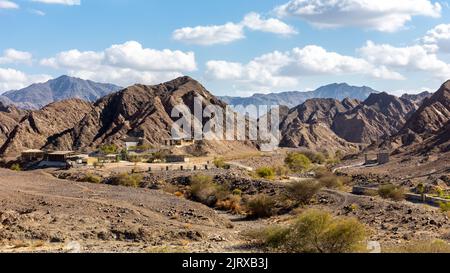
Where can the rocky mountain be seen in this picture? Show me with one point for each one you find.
(40, 127)
(309, 125)
(417, 98)
(38, 95)
(379, 116)
(10, 116)
(429, 126)
(294, 98)
(139, 111)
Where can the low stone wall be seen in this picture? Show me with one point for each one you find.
(412, 197)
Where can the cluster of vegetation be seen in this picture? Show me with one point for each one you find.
(203, 189)
(266, 172)
(221, 164)
(91, 178)
(109, 149)
(315, 157)
(393, 192)
(445, 206)
(127, 180)
(297, 162)
(435, 246)
(15, 167)
(302, 192)
(261, 206)
(331, 180)
(315, 232)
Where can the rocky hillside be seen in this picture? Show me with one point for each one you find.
(139, 110)
(41, 127)
(294, 98)
(309, 125)
(10, 116)
(329, 123)
(40, 94)
(380, 116)
(429, 126)
(417, 98)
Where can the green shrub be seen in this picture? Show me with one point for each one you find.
(204, 190)
(15, 167)
(297, 162)
(265, 172)
(109, 149)
(90, 178)
(314, 157)
(261, 206)
(273, 237)
(445, 206)
(220, 163)
(237, 192)
(317, 232)
(127, 180)
(303, 191)
(390, 191)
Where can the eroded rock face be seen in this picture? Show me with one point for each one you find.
(381, 115)
(139, 110)
(309, 124)
(38, 129)
(10, 116)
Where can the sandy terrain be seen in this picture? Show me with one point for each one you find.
(42, 213)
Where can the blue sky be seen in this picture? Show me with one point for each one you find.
(233, 47)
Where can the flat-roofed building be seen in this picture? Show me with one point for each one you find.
(32, 155)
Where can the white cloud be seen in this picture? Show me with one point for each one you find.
(37, 12)
(438, 38)
(380, 15)
(124, 64)
(15, 56)
(254, 21)
(11, 79)
(284, 69)
(4, 4)
(231, 32)
(210, 35)
(412, 58)
(60, 2)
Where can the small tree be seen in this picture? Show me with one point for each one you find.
(303, 191)
(261, 206)
(266, 172)
(297, 162)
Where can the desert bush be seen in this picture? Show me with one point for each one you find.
(273, 237)
(91, 178)
(445, 206)
(297, 162)
(109, 149)
(436, 246)
(316, 232)
(220, 163)
(204, 190)
(330, 180)
(390, 191)
(315, 157)
(265, 172)
(232, 203)
(15, 167)
(303, 191)
(261, 206)
(237, 192)
(281, 171)
(127, 180)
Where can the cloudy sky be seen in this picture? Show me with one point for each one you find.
(232, 47)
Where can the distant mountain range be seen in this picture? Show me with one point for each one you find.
(291, 99)
(320, 123)
(39, 95)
